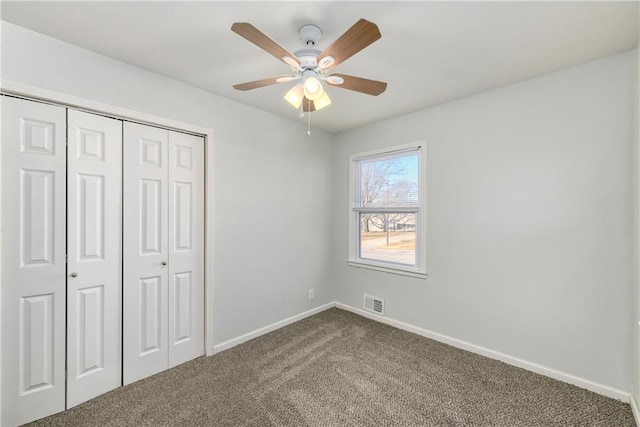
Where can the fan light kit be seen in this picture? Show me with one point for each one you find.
(309, 65)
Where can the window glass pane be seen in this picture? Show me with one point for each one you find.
(389, 237)
(390, 182)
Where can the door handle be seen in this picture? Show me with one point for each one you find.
(74, 274)
(164, 262)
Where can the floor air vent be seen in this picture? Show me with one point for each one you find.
(374, 304)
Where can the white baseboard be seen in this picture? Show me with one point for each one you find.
(210, 351)
(534, 367)
(635, 409)
(254, 334)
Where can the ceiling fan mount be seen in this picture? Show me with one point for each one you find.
(310, 34)
(310, 64)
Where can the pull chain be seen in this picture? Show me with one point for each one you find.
(309, 120)
(308, 114)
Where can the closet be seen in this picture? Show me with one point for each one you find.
(102, 255)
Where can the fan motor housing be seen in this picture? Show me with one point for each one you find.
(308, 57)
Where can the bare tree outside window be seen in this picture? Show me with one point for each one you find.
(388, 191)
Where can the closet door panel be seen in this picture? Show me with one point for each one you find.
(145, 251)
(33, 260)
(186, 247)
(94, 245)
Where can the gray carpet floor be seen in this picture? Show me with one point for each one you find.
(340, 369)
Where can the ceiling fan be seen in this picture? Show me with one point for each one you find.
(310, 65)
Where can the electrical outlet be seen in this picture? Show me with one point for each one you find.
(311, 295)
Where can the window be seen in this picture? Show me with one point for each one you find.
(387, 210)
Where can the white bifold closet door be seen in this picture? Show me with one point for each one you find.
(94, 314)
(33, 260)
(163, 250)
(54, 195)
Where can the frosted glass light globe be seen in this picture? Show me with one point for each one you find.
(312, 88)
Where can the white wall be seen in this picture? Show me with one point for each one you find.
(528, 221)
(272, 181)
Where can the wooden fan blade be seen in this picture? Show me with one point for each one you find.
(261, 40)
(356, 38)
(257, 83)
(308, 105)
(359, 84)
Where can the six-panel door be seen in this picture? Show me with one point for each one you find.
(94, 212)
(145, 290)
(186, 247)
(33, 260)
(163, 250)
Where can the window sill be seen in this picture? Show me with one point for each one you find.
(385, 268)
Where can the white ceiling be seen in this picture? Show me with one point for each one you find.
(430, 52)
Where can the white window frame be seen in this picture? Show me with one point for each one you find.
(419, 270)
